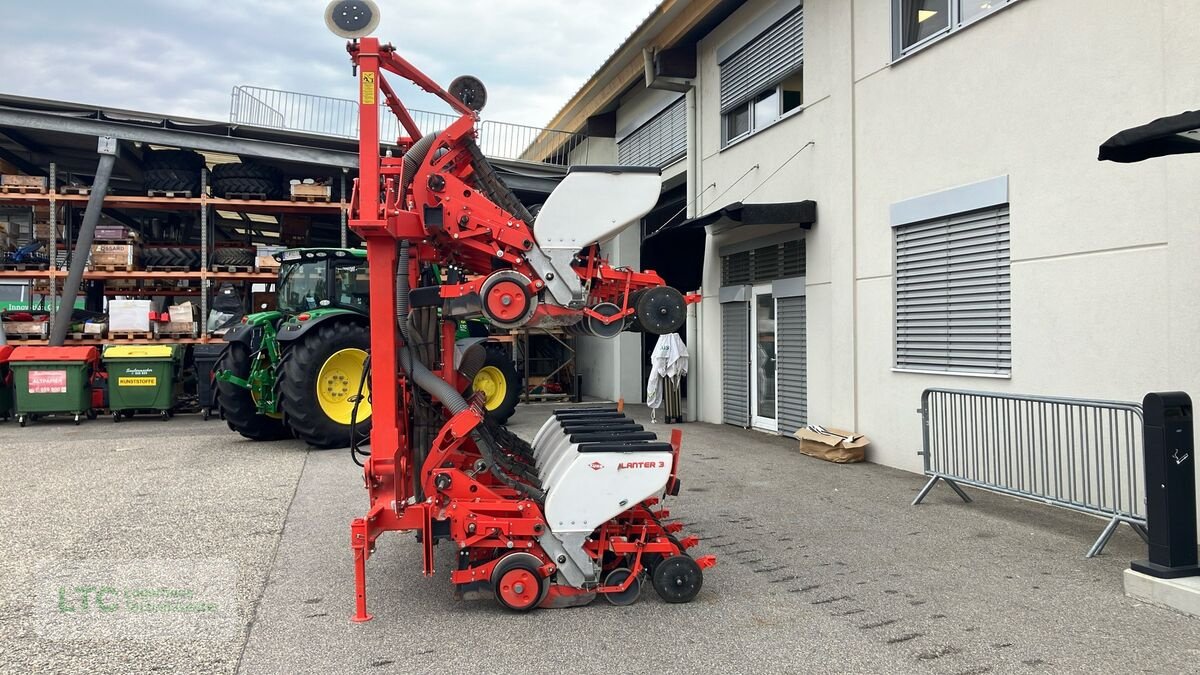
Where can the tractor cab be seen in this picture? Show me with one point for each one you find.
(314, 279)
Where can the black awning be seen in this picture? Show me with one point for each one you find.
(802, 213)
(1175, 135)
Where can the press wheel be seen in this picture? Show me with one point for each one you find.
(678, 579)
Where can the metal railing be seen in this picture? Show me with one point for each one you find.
(328, 116)
(1080, 454)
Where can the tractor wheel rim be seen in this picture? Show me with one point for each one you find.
(519, 588)
(337, 385)
(492, 383)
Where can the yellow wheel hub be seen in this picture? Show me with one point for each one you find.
(491, 382)
(337, 385)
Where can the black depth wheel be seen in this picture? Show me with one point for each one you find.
(660, 310)
(237, 405)
(517, 584)
(318, 380)
(678, 579)
(627, 596)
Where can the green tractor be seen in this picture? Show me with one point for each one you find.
(296, 370)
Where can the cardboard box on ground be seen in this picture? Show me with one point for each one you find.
(832, 445)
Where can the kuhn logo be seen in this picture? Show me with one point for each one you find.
(596, 466)
(640, 465)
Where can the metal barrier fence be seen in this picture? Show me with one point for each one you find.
(1080, 454)
(327, 116)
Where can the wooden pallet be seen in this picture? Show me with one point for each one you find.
(25, 267)
(233, 268)
(169, 193)
(168, 268)
(22, 337)
(249, 196)
(178, 333)
(131, 334)
(115, 268)
(22, 190)
(75, 190)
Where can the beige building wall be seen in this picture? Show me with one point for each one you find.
(1103, 265)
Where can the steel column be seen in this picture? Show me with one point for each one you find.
(107, 148)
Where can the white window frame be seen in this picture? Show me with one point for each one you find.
(956, 23)
(748, 107)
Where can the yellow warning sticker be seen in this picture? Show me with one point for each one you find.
(368, 87)
(137, 381)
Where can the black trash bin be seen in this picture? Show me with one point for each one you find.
(205, 358)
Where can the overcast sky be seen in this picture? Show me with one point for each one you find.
(184, 56)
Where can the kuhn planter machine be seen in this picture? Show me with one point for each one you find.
(577, 513)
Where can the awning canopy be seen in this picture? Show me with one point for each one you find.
(739, 214)
(1175, 135)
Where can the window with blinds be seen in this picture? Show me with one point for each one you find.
(659, 142)
(766, 263)
(764, 79)
(953, 305)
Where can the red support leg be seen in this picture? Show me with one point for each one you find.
(360, 543)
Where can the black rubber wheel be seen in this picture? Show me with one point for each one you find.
(127, 414)
(660, 310)
(172, 170)
(678, 579)
(629, 595)
(517, 584)
(239, 257)
(498, 370)
(116, 417)
(237, 405)
(319, 377)
(91, 414)
(21, 420)
(246, 178)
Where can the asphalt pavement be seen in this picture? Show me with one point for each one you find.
(822, 568)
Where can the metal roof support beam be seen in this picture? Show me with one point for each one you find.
(187, 139)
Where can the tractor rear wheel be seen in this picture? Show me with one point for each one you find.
(319, 378)
(237, 404)
(500, 384)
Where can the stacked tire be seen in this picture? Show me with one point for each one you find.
(233, 257)
(171, 256)
(246, 178)
(172, 170)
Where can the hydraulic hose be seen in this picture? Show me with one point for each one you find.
(438, 388)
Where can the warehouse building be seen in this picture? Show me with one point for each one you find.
(882, 197)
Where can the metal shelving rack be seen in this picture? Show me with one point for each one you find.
(204, 203)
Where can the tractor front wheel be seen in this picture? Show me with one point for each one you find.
(500, 384)
(237, 403)
(319, 383)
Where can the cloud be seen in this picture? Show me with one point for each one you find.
(184, 57)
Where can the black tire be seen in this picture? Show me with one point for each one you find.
(241, 257)
(246, 177)
(236, 404)
(172, 170)
(497, 358)
(299, 379)
(172, 180)
(678, 579)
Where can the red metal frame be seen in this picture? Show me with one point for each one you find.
(485, 517)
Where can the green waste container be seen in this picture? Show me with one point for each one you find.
(6, 394)
(52, 380)
(142, 377)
